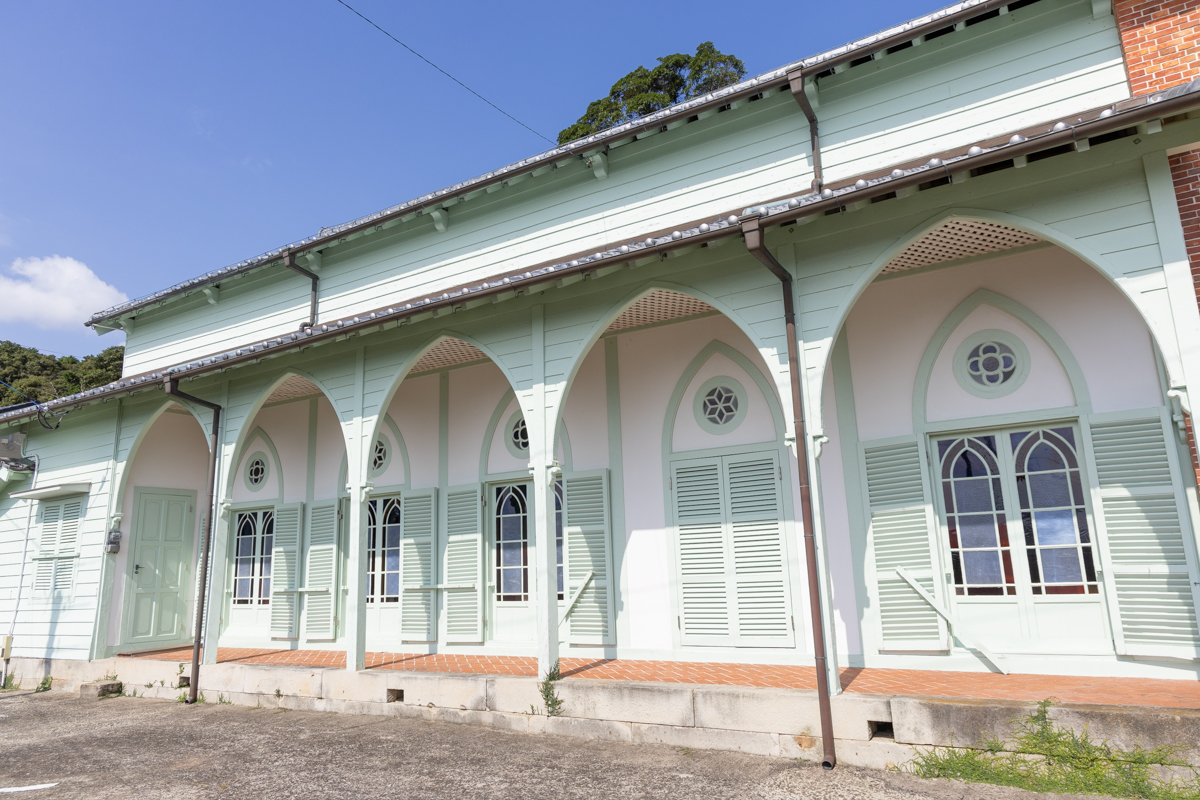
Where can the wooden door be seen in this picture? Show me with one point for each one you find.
(161, 556)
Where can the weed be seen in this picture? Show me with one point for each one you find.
(10, 684)
(110, 676)
(46, 685)
(200, 699)
(551, 699)
(278, 694)
(1044, 757)
(182, 698)
(180, 672)
(149, 684)
(221, 701)
(687, 751)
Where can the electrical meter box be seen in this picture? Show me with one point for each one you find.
(11, 445)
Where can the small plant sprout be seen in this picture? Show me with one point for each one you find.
(46, 685)
(550, 698)
(278, 694)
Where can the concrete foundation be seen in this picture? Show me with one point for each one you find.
(872, 730)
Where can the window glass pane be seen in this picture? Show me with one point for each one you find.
(983, 566)
(1044, 457)
(511, 581)
(977, 531)
(1061, 565)
(1049, 489)
(1055, 527)
(973, 495)
(511, 528)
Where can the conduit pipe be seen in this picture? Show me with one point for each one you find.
(754, 243)
(289, 261)
(171, 387)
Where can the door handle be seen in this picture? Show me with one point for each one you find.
(137, 568)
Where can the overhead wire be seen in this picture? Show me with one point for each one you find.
(377, 27)
(44, 414)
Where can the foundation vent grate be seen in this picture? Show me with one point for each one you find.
(658, 307)
(959, 239)
(293, 388)
(448, 353)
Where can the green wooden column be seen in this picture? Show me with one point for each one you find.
(356, 527)
(538, 419)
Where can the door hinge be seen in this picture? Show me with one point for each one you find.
(779, 469)
(678, 623)
(340, 515)
(793, 618)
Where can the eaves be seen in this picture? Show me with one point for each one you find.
(1147, 109)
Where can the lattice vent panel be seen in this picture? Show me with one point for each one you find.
(448, 353)
(293, 388)
(658, 307)
(959, 239)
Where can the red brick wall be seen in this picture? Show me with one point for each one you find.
(1185, 174)
(1161, 40)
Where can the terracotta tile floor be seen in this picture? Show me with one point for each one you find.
(922, 683)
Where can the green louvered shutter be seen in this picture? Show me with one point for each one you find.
(463, 573)
(586, 550)
(704, 579)
(760, 585)
(58, 547)
(1150, 566)
(285, 563)
(902, 535)
(418, 513)
(320, 565)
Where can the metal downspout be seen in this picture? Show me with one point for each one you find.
(289, 261)
(171, 387)
(796, 84)
(754, 243)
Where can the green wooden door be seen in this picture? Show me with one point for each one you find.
(161, 558)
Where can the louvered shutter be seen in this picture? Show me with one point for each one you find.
(285, 562)
(902, 534)
(417, 509)
(586, 551)
(463, 573)
(704, 602)
(760, 585)
(320, 565)
(58, 547)
(1150, 567)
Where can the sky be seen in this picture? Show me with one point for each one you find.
(144, 143)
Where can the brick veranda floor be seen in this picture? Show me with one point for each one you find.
(923, 683)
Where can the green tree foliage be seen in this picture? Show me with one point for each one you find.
(44, 377)
(677, 77)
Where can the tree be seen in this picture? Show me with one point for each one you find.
(44, 377)
(677, 77)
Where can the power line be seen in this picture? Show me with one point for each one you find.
(447, 74)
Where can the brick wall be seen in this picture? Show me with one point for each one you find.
(1185, 174)
(1161, 40)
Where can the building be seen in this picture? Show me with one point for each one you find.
(984, 219)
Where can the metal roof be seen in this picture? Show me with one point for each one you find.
(573, 149)
(780, 211)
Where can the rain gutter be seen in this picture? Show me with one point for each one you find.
(775, 212)
(752, 231)
(171, 387)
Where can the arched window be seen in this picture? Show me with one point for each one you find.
(1053, 515)
(512, 543)
(974, 502)
(383, 550)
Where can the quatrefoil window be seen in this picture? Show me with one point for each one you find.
(991, 363)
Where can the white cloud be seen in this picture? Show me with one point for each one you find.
(54, 293)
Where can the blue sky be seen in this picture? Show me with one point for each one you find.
(144, 143)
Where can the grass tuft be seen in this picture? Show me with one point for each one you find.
(46, 685)
(1044, 757)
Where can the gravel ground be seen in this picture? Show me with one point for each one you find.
(139, 748)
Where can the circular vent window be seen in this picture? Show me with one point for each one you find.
(380, 456)
(517, 439)
(256, 472)
(720, 405)
(991, 363)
